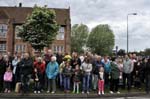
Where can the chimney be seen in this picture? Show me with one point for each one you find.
(20, 4)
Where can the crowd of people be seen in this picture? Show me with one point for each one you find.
(73, 73)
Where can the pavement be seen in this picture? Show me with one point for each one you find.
(133, 95)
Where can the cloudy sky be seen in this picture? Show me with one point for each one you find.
(112, 12)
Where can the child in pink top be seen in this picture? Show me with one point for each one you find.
(8, 79)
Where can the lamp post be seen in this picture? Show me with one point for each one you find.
(128, 31)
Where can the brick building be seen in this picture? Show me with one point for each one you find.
(12, 17)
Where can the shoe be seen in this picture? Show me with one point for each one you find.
(8, 91)
(118, 92)
(102, 92)
(73, 92)
(39, 92)
(99, 93)
(77, 92)
(111, 92)
(87, 92)
(48, 91)
(52, 92)
(35, 92)
(5, 91)
(82, 92)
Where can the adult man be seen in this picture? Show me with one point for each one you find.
(26, 65)
(127, 70)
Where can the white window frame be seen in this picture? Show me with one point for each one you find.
(61, 33)
(3, 30)
(2, 47)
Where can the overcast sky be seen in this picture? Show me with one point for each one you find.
(112, 12)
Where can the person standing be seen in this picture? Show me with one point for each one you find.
(107, 69)
(26, 68)
(86, 68)
(147, 76)
(115, 73)
(97, 64)
(8, 77)
(67, 73)
(101, 80)
(2, 71)
(127, 70)
(52, 70)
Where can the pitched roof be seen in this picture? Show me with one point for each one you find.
(19, 14)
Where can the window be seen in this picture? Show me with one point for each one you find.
(58, 48)
(20, 48)
(3, 47)
(17, 28)
(61, 33)
(3, 30)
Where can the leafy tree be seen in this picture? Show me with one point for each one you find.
(101, 40)
(147, 52)
(40, 28)
(79, 35)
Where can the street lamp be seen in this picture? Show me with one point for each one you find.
(127, 30)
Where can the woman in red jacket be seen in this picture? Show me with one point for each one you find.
(39, 64)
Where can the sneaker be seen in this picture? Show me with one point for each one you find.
(73, 92)
(111, 92)
(118, 92)
(39, 92)
(102, 92)
(82, 92)
(35, 92)
(48, 91)
(99, 93)
(9, 91)
(5, 91)
(52, 92)
(87, 92)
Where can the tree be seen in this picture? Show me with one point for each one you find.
(147, 52)
(40, 28)
(79, 35)
(101, 40)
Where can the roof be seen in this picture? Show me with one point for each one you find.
(19, 14)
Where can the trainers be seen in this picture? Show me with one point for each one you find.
(82, 92)
(111, 92)
(99, 93)
(52, 92)
(87, 92)
(48, 91)
(5, 91)
(39, 92)
(73, 92)
(102, 92)
(118, 92)
(9, 91)
(35, 92)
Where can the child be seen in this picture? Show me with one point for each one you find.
(67, 72)
(37, 78)
(8, 79)
(101, 81)
(76, 79)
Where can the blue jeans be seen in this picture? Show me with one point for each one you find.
(66, 83)
(85, 83)
(60, 79)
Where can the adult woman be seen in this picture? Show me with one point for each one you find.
(51, 72)
(86, 68)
